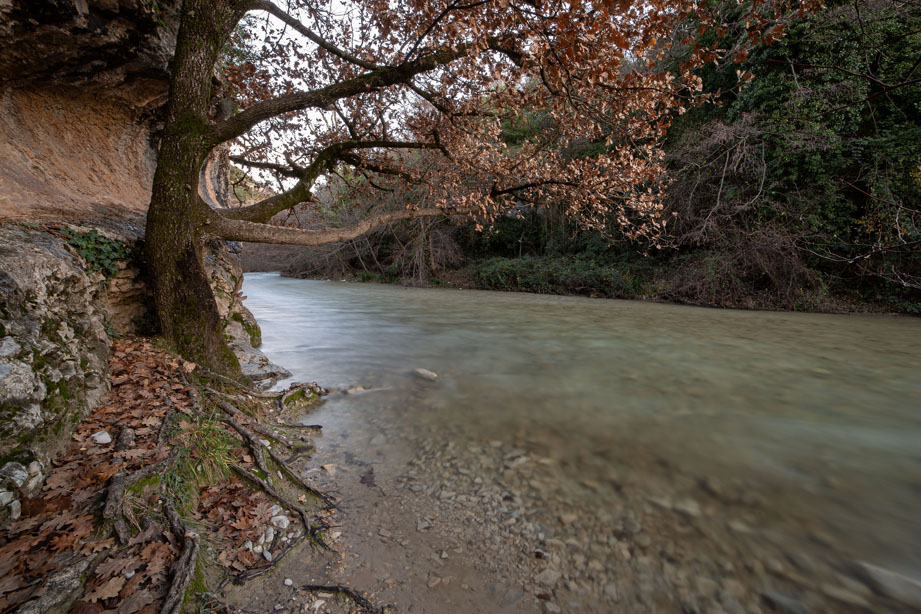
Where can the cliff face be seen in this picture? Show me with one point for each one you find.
(83, 83)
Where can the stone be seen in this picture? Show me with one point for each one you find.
(844, 596)
(784, 604)
(15, 509)
(688, 507)
(35, 468)
(281, 521)
(551, 608)
(267, 555)
(329, 468)
(707, 587)
(6, 497)
(890, 584)
(269, 535)
(15, 473)
(548, 577)
(354, 390)
(426, 374)
(101, 437)
(289, 582)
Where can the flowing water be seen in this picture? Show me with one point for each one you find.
(803, 428)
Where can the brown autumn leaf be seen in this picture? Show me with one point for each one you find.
(107, 590)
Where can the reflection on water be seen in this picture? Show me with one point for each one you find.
(817, 415)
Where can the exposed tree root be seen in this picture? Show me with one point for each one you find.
(254, 442)
(359, 600)
(184, 567)
(116, 495)
(249, 574)
(305, 518)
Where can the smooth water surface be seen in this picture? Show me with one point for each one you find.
(819, 415)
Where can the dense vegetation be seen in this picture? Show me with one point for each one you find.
(802, 190)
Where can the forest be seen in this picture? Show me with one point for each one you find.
(799, 189)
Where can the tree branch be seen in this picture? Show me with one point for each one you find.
(265, 209)
(325, 96)
(241, 230)
(270, 8)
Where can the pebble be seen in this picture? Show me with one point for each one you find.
(426, 374)
(355, 390)
(102, 438)
(35, 468)
(548, 577)
(784, 604)
(269, 535)
(845, 596)
(267, 555)
(891, 584)
(551, 608)
(15, 509)
(688, 507)
(329, 468)
(281, 521)
(289, 582)
(6, 497)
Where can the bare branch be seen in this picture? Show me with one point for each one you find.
(241, 230)
(265, 209)
(324, 97)
(270, 8)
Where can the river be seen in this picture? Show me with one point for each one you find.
(643, 453)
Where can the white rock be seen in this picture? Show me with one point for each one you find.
(891, 584)
(35, 468)
(267, 555)
(15, 509)
(329, 468)
(688, 507)
(248, 545)
(355, 390)
(15, 473)
(288, 581)
(257, 549)
(102, 438)
(281, 521)
(6, 497)
(426, 374)
(276, 510)
(548, 577)
(269, 535)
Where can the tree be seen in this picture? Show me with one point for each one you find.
(364, 85)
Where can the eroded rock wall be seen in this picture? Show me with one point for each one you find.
(53, 354)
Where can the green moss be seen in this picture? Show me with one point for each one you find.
(139, 486)
(253, 330)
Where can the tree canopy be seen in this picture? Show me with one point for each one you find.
(362, 88)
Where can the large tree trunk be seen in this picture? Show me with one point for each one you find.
(177, 218)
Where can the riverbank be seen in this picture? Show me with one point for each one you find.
(564, 279)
